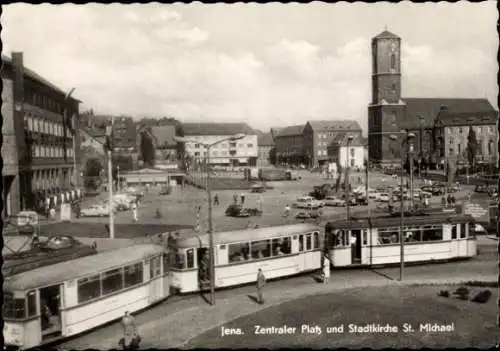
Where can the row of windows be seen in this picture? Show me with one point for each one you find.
(43, 101)
(459, 149)
(19, 308)
(461, 130)
(109, 282)
(222, 145)
(51, 151)
(47, 127)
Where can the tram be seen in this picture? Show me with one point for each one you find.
(278, 251)
(49, 303)
(375, 241)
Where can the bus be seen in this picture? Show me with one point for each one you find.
(279, 251)
(52, 302)
(375, 241)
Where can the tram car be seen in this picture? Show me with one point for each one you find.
(279, 251)
(375, 241)
(49, 303)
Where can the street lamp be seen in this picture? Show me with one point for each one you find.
(401, 235)
(209, 193)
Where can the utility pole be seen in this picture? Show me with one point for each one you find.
(410, 157)
(109, 136)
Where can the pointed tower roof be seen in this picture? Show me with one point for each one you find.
(386, 35)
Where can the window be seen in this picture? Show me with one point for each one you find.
(463, 233)
(31, 303)
(388, 236)
(112, 281)
(196, 146)
(460, 130)
(459, 148)
(282, 246)
(432, 233)
(316, 241)
(239, 252)
(352, 152)
(301, 243)
(190, 258)
(478, 130)
(319, 153)
(249, 145)
(393, 87)
(261, 249)
(155, 267)
(308, 242)
(13, 307)
(196, 154)
(89, 288)
(166, 263)
(393, 61)
(352, 162)
(365, 237)
(490, 147)
(453, 231)
(176, 259)
(133, 275)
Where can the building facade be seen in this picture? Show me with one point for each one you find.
(44, 131)
(266, 145)
(318, 135)
(166, 149)
(243, 152)
(289, 143)
(345, 153)
(389, 113)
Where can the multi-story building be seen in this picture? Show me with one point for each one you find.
(243, 152)
(318, 135)
(41, 139)
(389, 113)
(289, 143)
(344, 152)
(452, 132)
(166, 149)
(266, 145)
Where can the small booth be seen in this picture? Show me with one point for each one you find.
(154, 177)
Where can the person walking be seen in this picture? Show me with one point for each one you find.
(261, 281)
(242, 196)
(130, 336)
(216, 200)
(326, 269)
(134, 211)
(288, 211)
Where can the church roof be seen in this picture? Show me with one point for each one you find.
(446, 118)
(339, 125)
(422, 112)
(386, 35)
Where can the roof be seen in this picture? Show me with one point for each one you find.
(446, 118)
(216, 129)
(164, 135)
(289, 131)
(194, 239)
(386, 35)
(35, 76)
(80, 267)
(124, 132)
(341, 139)
(265, 139)
(395, 221)
(428, 109)
(334, 125)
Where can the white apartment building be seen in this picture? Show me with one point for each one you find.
(242, 152)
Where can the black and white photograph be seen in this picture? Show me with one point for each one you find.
(303, 175)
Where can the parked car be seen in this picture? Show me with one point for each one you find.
(95, 211)
(26, 221)
(166, 190)
(383, 197)
(333, 201)
(237, 211)
(307, 202)
(257, 188)
(303, 215)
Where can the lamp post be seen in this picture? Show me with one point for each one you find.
(109, 135)
(421, 149)
(209, 194)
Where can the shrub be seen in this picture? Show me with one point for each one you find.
(482, 297)
(462, 293)
(444, 293)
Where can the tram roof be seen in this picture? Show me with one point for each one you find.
(394, 221)
(194, 239)
(68, 270)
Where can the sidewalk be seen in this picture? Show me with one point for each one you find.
(189, 319)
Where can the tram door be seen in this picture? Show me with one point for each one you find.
(156, 283)
(356, 244)
(50, 310)
(203, 258)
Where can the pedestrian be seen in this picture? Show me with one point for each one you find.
(426, 202)
(134, 211)
(326, 269)
(131, 339)
(288, 210)
(216, 200)
(453, 200)
(52, 213)
(261, 281)
(449, 200)
(443, 201)
(242, 196)
(235, 199)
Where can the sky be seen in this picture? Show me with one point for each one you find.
(268, 65)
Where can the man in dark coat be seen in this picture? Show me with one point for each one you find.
(261, 281)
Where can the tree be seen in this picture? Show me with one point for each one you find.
(471, 148)
(93, 167)
(147, 150)
(272, 155)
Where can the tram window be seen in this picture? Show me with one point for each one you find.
(176, 259)
(154, 267)
(112, 281)
(308, 242)
(316, 241)
(365, 237)
(301, 243)
(165, 263)
(281, 246)
(453, 231)
(432, 234)
(261, 249)
(388, 236)
(133, 275)
(89, 288)
(472, 231)
(190, 258)
(339, 238)
(239, 252)
(31, 303)
(13, 307)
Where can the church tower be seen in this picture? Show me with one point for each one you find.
(386, 107)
